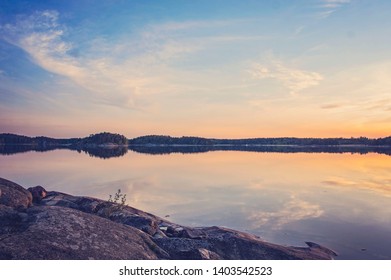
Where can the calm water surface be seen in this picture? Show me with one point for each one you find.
(342, 201)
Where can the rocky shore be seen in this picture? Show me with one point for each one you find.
(49, 225)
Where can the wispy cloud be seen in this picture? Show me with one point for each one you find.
(122, 73)
(109, 72)
(328, 7)
(173, 39)
(331, 106)
(334, 3)
(296, 80)
(40, 35)
(188, 25)
(383, 104)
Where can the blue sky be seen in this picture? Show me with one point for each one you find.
(233, 69)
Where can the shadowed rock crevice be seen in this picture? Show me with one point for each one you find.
(54, 225)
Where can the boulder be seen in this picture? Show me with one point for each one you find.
(118, 213)
(145, 224)
(13, 195)
(235, 245)
(59, 233)
(37, 192)
(228, 244)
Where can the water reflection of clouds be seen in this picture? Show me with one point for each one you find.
(267, 194)
(294, 210)
(378, 185)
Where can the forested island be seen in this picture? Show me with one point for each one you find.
(104, 138)
(106, 145)
(103, 145)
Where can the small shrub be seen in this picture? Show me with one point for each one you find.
(119, 202)
(119, 198)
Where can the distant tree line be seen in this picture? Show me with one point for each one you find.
(14, 139)
(106, 138)
(41, 141)
(117, 145)
(184, 149)
(168, 140)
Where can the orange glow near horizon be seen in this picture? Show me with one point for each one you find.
(210, 132)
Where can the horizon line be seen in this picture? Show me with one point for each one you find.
(166, 135)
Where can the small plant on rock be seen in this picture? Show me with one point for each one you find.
(119, 198)
(119, 202)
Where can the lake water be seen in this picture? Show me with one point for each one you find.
(342, 201)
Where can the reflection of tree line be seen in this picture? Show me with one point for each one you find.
(261, 149)
(15, 149)
(107, 145)
(105, 152)
(118, 151)
(102, 145)
(93, 151)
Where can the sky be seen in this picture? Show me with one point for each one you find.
(219, 69)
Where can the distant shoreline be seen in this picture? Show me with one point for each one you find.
(113, 139)
(106, 145)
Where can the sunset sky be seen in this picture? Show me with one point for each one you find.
(223, 68)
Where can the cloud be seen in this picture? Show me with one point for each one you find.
(121, 73)
(110, 73)
(383, 104)
(331, 106)
(339, 182)
(334, 3)
(174, 39)
(191, 24)
(328, 7)
(208, 25)
(143, 70)
(41, 36)
(294, 79)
